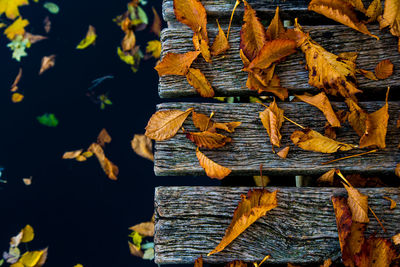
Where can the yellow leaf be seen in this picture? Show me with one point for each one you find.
(176, 64)
(10, 7)
(212, 169)
(198, 262)
(205, 50)
(78, 265)
(154, 47)
(197, 79)
(17, 97)
(220, 43)
(257, 203)
(31, 258)
(358, 204)
(27, 234)
(272, 119)
(16, 28)
(89, 39)
(283, 152)
(367, 74)
(142, 146)
(374, 11)
(357, 117)
(208, 139)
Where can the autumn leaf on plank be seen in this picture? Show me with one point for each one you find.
(143, 146)
(311, 140)
(109, 168)
(283, 152)
(272, 119)
(236, 263)
(341, 12)
(257, 203)
(176, 64)
(384, 69)
(391, 18)
(204, 123)
(327, 178)
(357, 4)
(208, 139)
(164, 124)
(256, 82)
(357, 117)
(393, 203)
(220, 44)
(321, 101)
(367, 74)
(358, 204)
(275, 29)
(212, 169)
(197, 79)
(376, 252)
(374, 11)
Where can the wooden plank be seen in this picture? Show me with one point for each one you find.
(226, 77)
(250, 145)
(190, 221)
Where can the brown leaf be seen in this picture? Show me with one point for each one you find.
(257, 203)
(142, 146)
(272, 87)
(327, 263)
(47, 24)
(47, 63)
(176, 64)
(321, 101)
(109, 168)
(236, 263)
(103, 137)
(134, 250)
(392, 202)
(14, 86)
(156, 26)
(327, 178)
(220, 44)
(72, 154)
(313, 141)
(367, 74)
(284, 152)
(330, 131)
(397, 170)
(198, 262)
(43, 258)
(32, 38)
(208, 139)
(272, 119)
(374, 11)
(376, 252)
(197, 79)
(144, 228)
(165, 124)
(275, 28)
(384, 69)
(357, 117)
(212, 169)
(193, 14)
(204, 123)
(358, 204)
(341, 12)
(396, 239)
(129, 41)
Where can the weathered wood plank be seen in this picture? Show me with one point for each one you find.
(250, 145)
(226, 77)
(190, 221)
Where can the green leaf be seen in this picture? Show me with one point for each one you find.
(51, 7)
(142, 15)
(48, 119)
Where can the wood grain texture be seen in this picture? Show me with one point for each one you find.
(227, 79)
(250, 144)
(190, 221)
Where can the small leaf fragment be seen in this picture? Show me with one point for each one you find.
(103, 137)
(47, 63)
(144, 228)
(283, 152)
(392, 202)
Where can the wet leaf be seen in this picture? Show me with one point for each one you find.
(27, 234)
(48, 119)
(47, 63)
(193, 14)
(176, 64)
(212, 169)
(47, 25)
(204, 123)
(208, 139)
(144, 228)
(143, 146)
(16, 28)
(384, 69)
(220, 44)
(89, 39)
(283, 152)
(156, 26)
(321, 101)
(272, 119)
(358, 204)
(197, 79)
(110, 169)
(327, 178)
(166, 123)
(392, 202)
(314, 141)
(257, 203)
(10, 7)
(103, 137)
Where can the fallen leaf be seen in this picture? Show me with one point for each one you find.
(275, 28)
(134, 250)
(357, 117)
(321, 101)
(204, 123)
(205, 50)
(129, 41)
(327, 263)
(236, 264)
(197, 79)
(31, 258)
(220, 44)
(103, 138)
(14, 86)
(16, 28)
(272, 119)
(341, 12)
(144, 228)
(17, 97)
(165, 124)
(327, 178)
(198, 262)
(193, 14)
(156, 26)
(47, 24)
(10, 7)
(90, 38)
(358, 204)
(143, 146)
(273, 85)
(176, 64)
(212, 169)
(47, 63)
(261, 181)
(72, 154)
(314, 141)
(391, 18)
(376, 252)
(396, 239)
(110, 169)
(384, 69)
(283, 152)
(208, 139)
(367, 74)
(374, 11)
(27, 234)
(257, 203)
(392, 202)
(16, 240)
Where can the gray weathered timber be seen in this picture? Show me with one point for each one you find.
(190, 222)
(251, 146)
(227, 79)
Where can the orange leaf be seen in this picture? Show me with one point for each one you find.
(165, 124)
(156, 26)
(103, 137)
(391, 17)
(144, 228)
(176, 64)
(397, 170)
(17, 97)
(72, 154)
(134, 250)
(357, 117)
(358, 204)
(213, 170)
(396, 239)
(198, 262)
(204, 123)
(367, 74)
(275, 28)
(208, 139)
(257, 203)
(109, 168)
(341, 12)
(321, 101)
(205, 50)
(274, 85)
(384, 69)
(129, 41)
(327, 178)
(284, 152)
(47, 63)
(392, 202)
(143, 146)
(197, 79)
(193, 14)
(374, 11)
(14, 86)
(236, 264)
(220, 43)
(272, 119)
(376, 252)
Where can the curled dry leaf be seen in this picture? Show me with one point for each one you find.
(198, 262)
(208, 139)
(396, 239)
(327, 178)
(103, 137)
(257, 203)
(357, 117)
(358, 204)
(384, 69)
(165, 124)
(321, 101)
(176, 64)
(283, 152)
(220, 44)
(376, 252)
(313, 141)
(341, 12)
(212, 169)
(393, 203)
(272, 119)
(109, 168)
(143, 146)
(197, 79)
(204, 123)
(144, 228)
(47, 63)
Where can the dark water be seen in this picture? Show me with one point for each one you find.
(76, 211)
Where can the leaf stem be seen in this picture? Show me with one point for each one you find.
(351, 156)
(295, 123)
(230, 21)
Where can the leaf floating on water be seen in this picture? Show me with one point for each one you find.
(384, 69)
(47, 63)
(90, 38)
(34, 38)
(176, 64)
(48, 119)
(165, 124)
(212, 169)
(272, 119)
(142, 146)
(257, 203)
(129, 41)
(27, 234)
(220, 44)
(208, 139)
(47, 25)
(27, 181)
(14, 86)
(367, 74)
(197, 79)
(110, 169)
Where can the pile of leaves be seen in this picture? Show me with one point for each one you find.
(139, 232)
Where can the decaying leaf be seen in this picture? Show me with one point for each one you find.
(283, 152)
(396, 239)
(89, 39)
(220, 44)
(358, 204)
(257, 203)
(376, 252)
(143, 146)
(391, 18)
(321, 101)
(384, 69)
(313, 141)
(212, 169)
(208, 139)
(272, 119)
(165, 124)
(176, 64)
(327, 178)
(47, 63)
(10, 7)
(103, 137)
(197, 79)
(392, 202)
(144, 228)
(109, 168)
